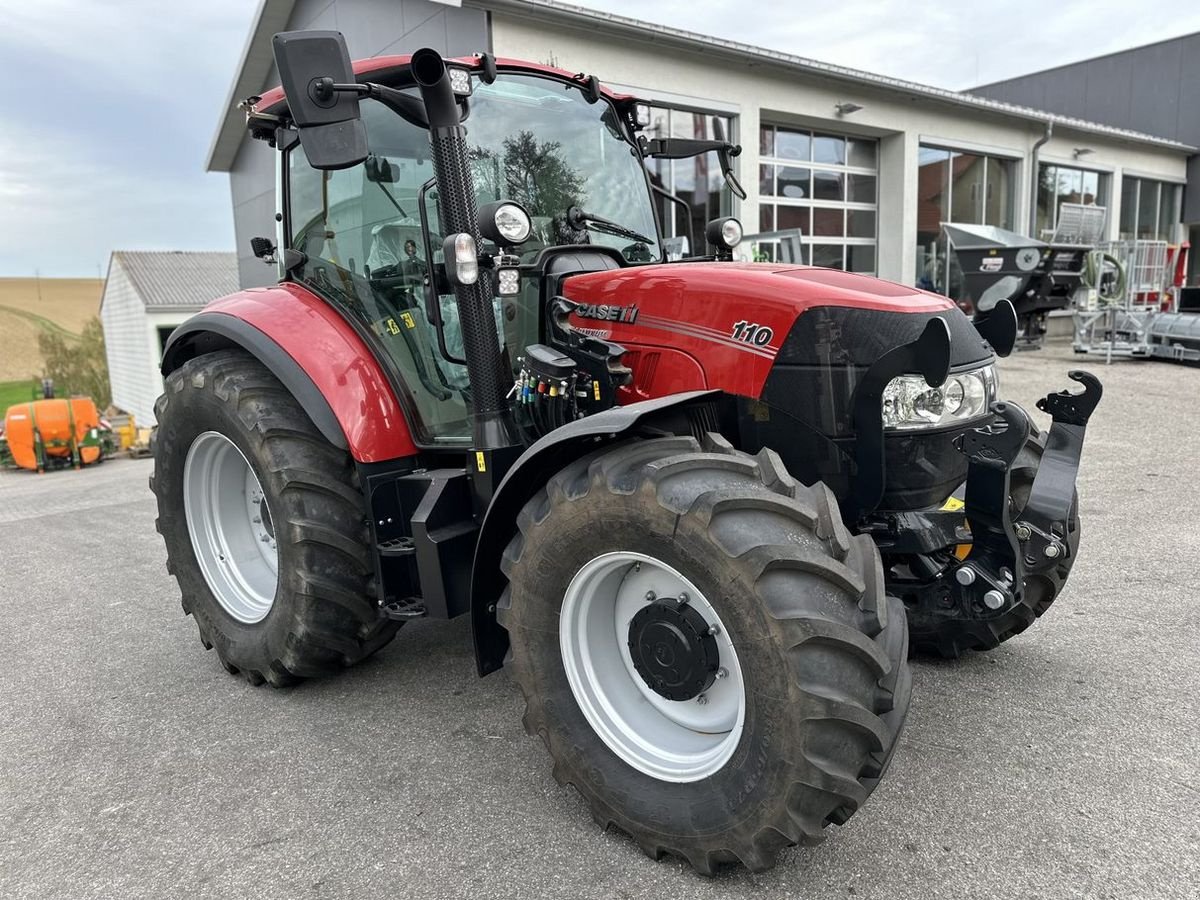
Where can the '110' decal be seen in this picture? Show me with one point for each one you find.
(752, 333)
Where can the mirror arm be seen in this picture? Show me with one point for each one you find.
(410, 108)
(683, 148)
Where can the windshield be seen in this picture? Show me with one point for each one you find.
(540, 143)
(533, 140)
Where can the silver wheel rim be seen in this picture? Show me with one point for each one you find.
(676, 741)
(231, 527)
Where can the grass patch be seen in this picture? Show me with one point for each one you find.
(14, 392)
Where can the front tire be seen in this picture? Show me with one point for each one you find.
(814, 653)
(264, 523)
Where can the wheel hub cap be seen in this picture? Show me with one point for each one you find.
(672, 649)
(628, 655)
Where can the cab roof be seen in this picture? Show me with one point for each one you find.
(385, 69)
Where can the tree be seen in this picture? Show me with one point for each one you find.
(77, 366)
(531, 173)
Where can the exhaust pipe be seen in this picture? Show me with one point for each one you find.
(429, 71)
(492, 417)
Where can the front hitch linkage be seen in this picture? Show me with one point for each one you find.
(1042, 528)
(1003, 552)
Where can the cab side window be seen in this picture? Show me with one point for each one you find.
(361, 232)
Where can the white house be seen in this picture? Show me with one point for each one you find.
(146, 295)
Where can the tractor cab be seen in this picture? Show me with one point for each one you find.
(550, 154)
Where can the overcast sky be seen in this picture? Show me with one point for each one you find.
(103, 137)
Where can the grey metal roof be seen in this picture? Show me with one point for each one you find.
(272, 16)
(178, 279)
(1087, 59)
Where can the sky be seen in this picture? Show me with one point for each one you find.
(104, 135)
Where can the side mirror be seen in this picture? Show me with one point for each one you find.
(312, 65)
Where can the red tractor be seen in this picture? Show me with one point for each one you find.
(697, 507)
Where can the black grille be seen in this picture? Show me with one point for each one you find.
(841, 335)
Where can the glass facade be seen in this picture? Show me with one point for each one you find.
(697, 181)
(1149, 209)
(825, 185)
(1066, 184)
(957, 186)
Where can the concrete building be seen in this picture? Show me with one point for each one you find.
(864, 165)
(146, 295)
(1154, 89)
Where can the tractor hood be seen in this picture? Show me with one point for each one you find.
(794, 343)
(706, 292)
(735, 319)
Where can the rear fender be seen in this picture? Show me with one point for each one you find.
(691, 413)
(316, 354)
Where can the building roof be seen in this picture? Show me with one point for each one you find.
(178, 279)
(273, 15)
(1087, 59)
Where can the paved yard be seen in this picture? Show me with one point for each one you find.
(1064, 764)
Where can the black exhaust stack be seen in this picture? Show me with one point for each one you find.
(493, 427)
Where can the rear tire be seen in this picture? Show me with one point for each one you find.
(948, 637)
(821, 651)
(317, 614)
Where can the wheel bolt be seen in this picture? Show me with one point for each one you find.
(714, 630)
(651, 596)
(683, 598)
(702, 699)
(722, 673)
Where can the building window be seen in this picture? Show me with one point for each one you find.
(957, 186)
(825, 185)
(697, 181)
(1149, 209)
(1065, 184)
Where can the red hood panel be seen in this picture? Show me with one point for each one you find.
(731, 318)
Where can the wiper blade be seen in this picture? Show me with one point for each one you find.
(577, 218)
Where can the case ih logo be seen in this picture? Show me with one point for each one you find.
(626, 314)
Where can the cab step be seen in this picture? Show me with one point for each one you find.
(404, 610)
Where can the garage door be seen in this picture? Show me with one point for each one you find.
(825, 185)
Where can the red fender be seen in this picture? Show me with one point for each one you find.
(341, 367)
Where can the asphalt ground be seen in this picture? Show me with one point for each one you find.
(1064, 764)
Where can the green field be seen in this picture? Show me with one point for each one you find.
(13, 392)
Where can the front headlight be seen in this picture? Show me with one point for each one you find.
(909, 401)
